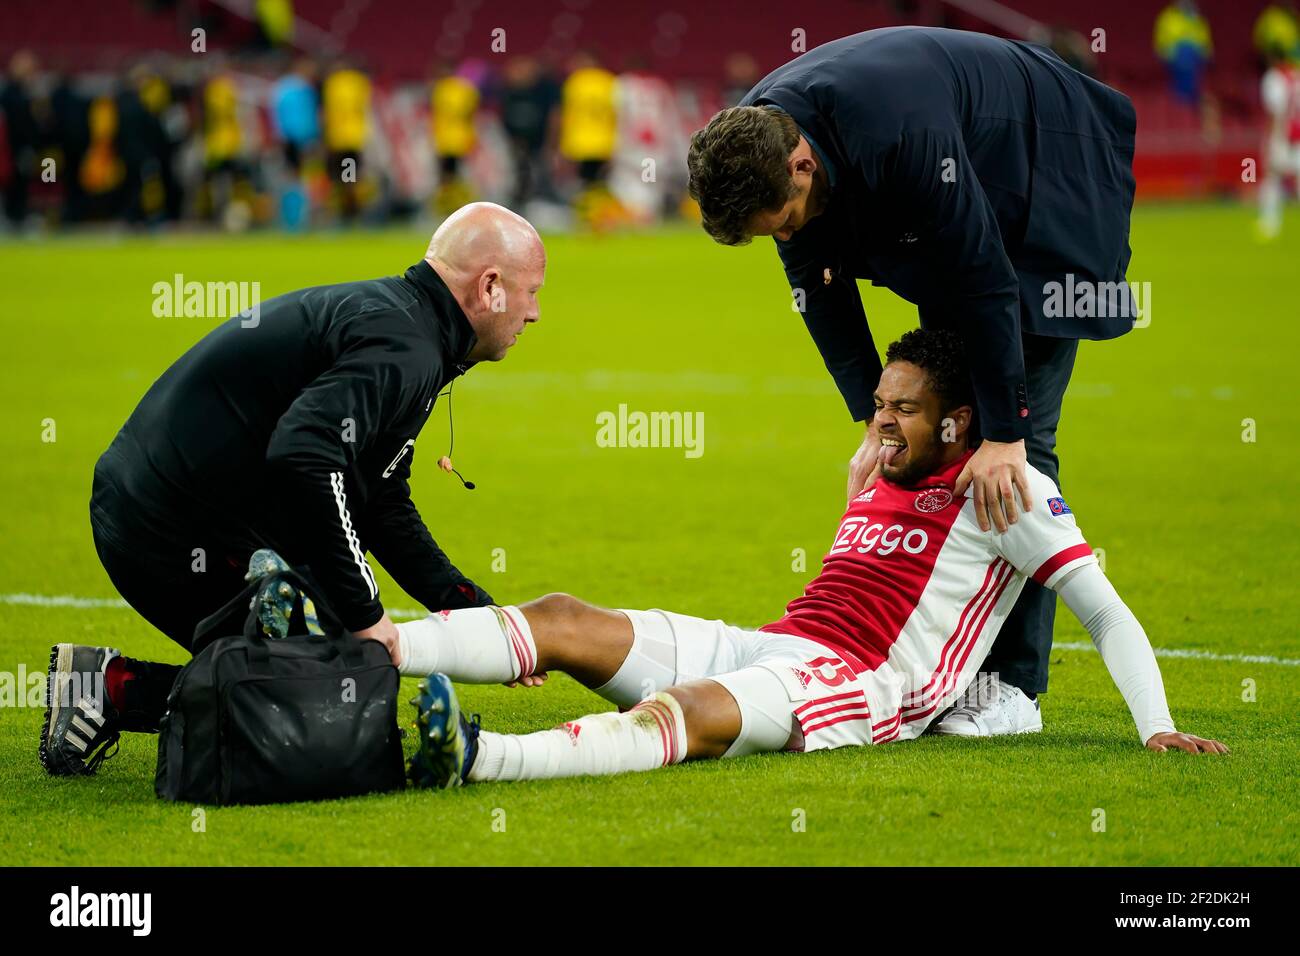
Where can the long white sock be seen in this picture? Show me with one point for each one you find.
(475, 645)
(1270, 204)
(652, 734)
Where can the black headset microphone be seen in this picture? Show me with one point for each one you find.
(445, 461)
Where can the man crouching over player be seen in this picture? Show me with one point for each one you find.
(888, 636)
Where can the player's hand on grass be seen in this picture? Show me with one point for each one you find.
(1189, 742)
(864, 466)
(997, 469)
(531, 680)
(385, 632)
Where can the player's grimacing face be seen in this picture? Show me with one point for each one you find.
(908, 423)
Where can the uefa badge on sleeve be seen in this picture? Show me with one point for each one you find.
(1058, 506)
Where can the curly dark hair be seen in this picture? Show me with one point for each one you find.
(941, 354)
(738, 168)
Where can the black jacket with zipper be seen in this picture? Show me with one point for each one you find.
(294, 428)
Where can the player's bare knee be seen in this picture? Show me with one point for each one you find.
(555, 620)
(711, 716)
(557, 607)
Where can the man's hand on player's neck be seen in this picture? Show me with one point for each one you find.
(864, 466)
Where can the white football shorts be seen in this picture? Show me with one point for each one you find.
(778, 680)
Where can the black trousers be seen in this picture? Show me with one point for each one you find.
(165, 583)
(1022, 649)
(172, 601)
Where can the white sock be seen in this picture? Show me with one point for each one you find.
(1270, 204)
(474, 645)
(652, 734)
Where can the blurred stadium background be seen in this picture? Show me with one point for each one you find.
(159, 152)
(247, 114)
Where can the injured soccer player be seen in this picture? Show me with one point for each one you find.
(887, 637)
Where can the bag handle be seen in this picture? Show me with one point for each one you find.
(220, 619)
(334, 631)
(241, 605)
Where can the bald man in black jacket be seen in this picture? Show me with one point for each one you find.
(968, 174)
(292, 428)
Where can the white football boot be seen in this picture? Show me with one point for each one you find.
(990, 708)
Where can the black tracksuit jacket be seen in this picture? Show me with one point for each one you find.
(295, 429)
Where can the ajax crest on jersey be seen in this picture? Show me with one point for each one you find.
(933, 499)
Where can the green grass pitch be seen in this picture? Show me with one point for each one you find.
(1199, 529)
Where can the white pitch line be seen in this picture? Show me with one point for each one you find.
(1190, 654)
(1182, 653)
(70, 600)
(60, 600)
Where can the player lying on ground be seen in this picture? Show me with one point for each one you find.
(889, 634)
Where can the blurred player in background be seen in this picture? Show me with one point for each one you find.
(527, 108)
(1280, 93)
(345, 100)
(589, 133)
(891, 632)
(145, 148)
(100, 173)
(295, 113)
(1182, 41)
(1277, 33)
(223, 148)
(453, 104)
(70, 137)
(646, 172)
(22, 133)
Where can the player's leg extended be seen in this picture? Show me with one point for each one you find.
(598, 647)
(696, 720)
(691, 721)
(490, 645)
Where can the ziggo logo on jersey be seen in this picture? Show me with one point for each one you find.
(863, 536)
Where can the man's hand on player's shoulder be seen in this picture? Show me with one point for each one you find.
(1188, 742)
(997, 469)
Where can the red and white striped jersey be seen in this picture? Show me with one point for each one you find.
(910, 574)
